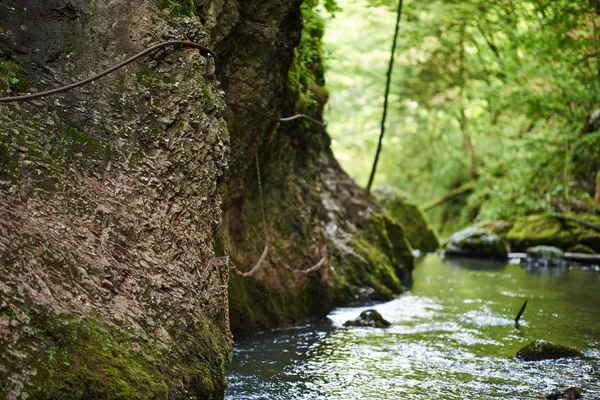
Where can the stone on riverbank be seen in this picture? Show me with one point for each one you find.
(546, 255)
(477, 242)
(536, 230)
(369, 318)
(543, 350)
(569, 393)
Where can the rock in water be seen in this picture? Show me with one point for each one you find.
(369, 318)
(477, 242)
(546, 255)
(570, 393)
(582, 249)
(543, 350)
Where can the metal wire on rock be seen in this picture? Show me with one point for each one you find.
(204, 51)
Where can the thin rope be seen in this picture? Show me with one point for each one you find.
(260, 192)
(204, 51)
(272, 118)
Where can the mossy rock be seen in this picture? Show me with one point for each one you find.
(420, 233)
(369, 318)
(581, 249)
(546, 255)
(536, 230)
(500, 228)
(478, 243)
(543, 350)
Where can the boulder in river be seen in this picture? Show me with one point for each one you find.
(569, 393)
(543, 350)
(477, 242)
(546, 255)
(581, 249)
(370, 318)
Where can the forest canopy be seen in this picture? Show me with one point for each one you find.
(493, 100)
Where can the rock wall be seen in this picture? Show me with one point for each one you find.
(270, 64)
(109, 206)
(111, 196)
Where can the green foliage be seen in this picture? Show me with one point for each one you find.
(496, 93)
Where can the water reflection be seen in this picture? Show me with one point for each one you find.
(452, 337)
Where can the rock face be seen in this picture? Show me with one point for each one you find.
(110, 196)
(477, 242)
(369, 318)
(542, 350)
(109, 206)
(421, 235)
(546, 255)
(310, 204)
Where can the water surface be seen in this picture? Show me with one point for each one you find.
(453, 337)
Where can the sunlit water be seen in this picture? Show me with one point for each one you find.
(453, 337)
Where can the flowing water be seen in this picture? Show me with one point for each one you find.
(453, 337)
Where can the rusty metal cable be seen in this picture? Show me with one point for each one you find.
(204, 51)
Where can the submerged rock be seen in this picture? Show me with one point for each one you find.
(569, 393)
(369, 318)
(477, 242)
(543, 350)
(546, 255)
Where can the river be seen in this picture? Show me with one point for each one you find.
(453, 337)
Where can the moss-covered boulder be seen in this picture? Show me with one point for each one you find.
(420, 233)
(581, 249)
(500, 228)
(369, 318)
(552, 230)
(543, 350)
(546, 255)
(478, 243)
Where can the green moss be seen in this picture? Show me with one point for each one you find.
(144, 76)
(419, 232)
(12, 76)
(178, 8)
(83, 358)
(306, 75)
(200, 360)
(68, 49)
(538, 230)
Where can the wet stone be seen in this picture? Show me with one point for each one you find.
(369, 318)
(543, 350)
(546, 255)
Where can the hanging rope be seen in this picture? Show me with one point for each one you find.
(204, 51)
(385, 101)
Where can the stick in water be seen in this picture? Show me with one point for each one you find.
(519, 314)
